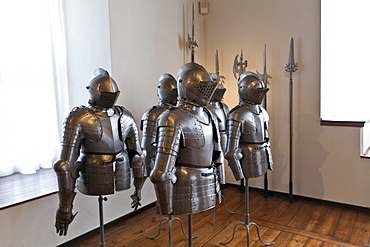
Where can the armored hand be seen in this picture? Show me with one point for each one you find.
(136, 198)
(64, 215)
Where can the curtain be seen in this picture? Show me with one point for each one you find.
(33, 91)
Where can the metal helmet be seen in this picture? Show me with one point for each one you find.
(251, 88)
(102, 89)
(167, 89)
(220, 89)
(194, 84)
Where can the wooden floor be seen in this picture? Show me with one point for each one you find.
(302, 223)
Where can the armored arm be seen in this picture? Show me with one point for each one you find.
(163, 174)
(267, 139)
(67, 169)
(130, 136)
(149, 130)
(233, 152)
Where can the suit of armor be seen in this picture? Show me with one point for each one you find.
(248, 148)
(107, 137)
(220, 110)
(167, 93)
(184, 175)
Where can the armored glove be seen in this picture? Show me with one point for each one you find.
(139, 179)
(64, 215)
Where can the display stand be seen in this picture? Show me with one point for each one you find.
(190, 230)
(266, 193)
(170, 219)
(101, 199)
(247, 222)
(241, 187)
(214, 210)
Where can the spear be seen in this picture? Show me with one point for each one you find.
(290, 68)
(191, 40)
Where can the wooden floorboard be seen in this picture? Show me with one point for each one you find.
(306, 223)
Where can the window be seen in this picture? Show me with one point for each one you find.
(345, 49)
(32, 70)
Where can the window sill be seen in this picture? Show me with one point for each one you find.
(358, 124)
(20, 188)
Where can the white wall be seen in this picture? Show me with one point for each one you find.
(88, 44)
(326, 160)
(146, 39)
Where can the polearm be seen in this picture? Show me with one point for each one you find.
(264, 78)
(239, 66)
(191, 40)
(217, 64)
(222, 78)
(290, 68)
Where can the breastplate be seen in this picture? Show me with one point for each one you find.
(109, 142)
(197, 143)
(252, 127)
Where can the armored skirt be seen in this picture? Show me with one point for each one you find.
(195, 190)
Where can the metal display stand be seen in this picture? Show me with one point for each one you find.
(170, 219)
(247, 222)
(101, 199)
(214, 210)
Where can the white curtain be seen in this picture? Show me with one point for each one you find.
(33, 91)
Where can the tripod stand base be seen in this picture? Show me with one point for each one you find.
(247, 222)
(170, 220)
(248, 234)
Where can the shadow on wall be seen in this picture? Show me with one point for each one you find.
(309, 157)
